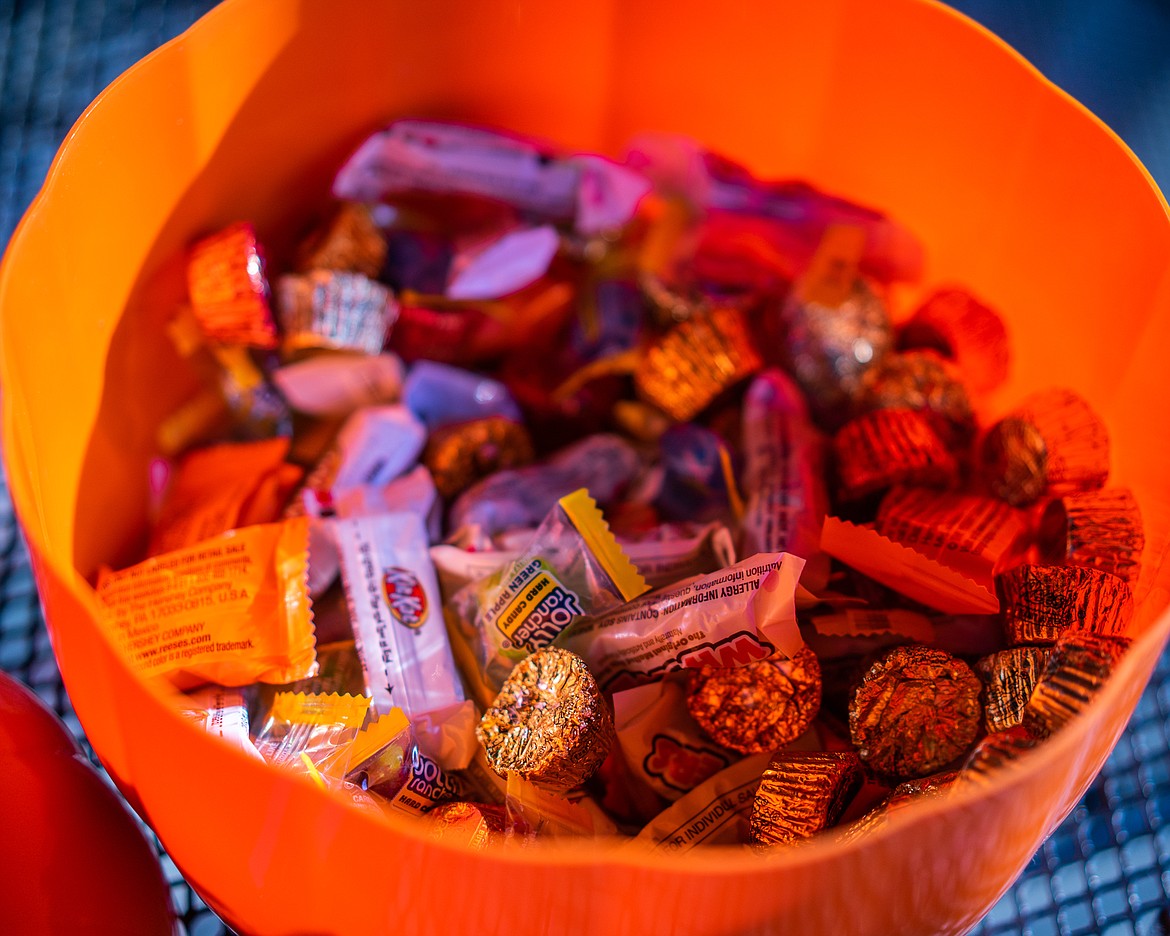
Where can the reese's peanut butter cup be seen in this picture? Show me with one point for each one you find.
(759, 707)
(802, 793)
(960, 327)
(1097, 529)
(229, 290)
(995, 753)
(461, 454)
(1041, 602)
(916, 710)
(331, 309)
(903, 795)
(1009, 677)
(1054, 443)
(972, 534)
(1077, 669)
(349, 241)
(920, 380)
(232, 610)
(694, 362)
(550, 722)
(888, 447)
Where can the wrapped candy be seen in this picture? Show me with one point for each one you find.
(572, 567)
(1053, 443)
(229, 289)
(549, 723)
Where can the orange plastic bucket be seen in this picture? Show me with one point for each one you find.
(1016, 190)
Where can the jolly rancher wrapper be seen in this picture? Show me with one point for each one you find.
(572, 567)
(727, 618)
(232, 610)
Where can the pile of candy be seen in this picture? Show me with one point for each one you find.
(551, 495)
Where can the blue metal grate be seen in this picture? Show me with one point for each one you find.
(1106, 869)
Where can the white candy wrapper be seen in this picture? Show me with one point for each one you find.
(783, 487)
(396, 613)
(508, 263)
(338, 384)
(727, 618)
(664, 562)
(375, 446)
(572, 567)
(413, 492)
(521, 497)
(714, 813)
(662, 745)
(459, 567)
(223, 713)
(412, 156)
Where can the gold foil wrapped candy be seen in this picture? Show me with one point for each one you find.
(1078, 668)
(916, 710)
(802, 793)
(549, 723)
(1098, 529)
(759, 707)
(1009, 677)
(694, 362)
(1041, 602)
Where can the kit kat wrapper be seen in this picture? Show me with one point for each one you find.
(397, 613)
(727, 618)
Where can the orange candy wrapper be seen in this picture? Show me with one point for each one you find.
(224, 487)
(232, 610)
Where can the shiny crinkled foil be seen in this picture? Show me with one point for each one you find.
(829, 349)
(549, 723)
(460, 455)
(1053, 443)
(323, 308)
(349, 241)
(229, 290)
(759, 707)
(689, 366)
(903, 795)
(1098, 529)
(1009, 677)
(965, 330)
(995, 753)
(1078, 667)
(887, 447)
(1041, 602)
(916, 710)
(802, 793)
(472, 825)
(919, 380)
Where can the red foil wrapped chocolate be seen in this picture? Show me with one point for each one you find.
(888, 447)
(229, 290)
(960, 327)
(1053, 444)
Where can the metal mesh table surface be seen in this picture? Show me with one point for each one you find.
(1106, 869)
